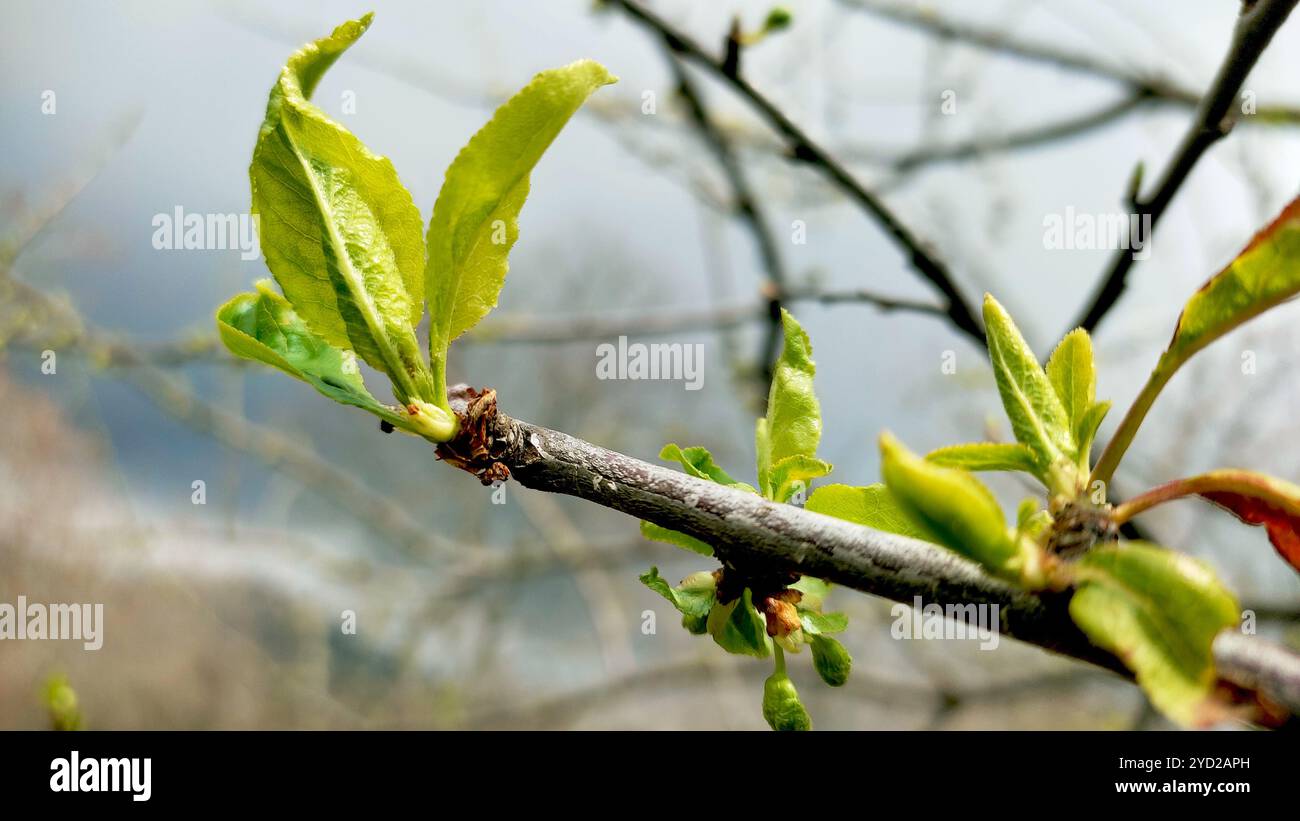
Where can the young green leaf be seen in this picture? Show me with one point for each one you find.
(1158, 611)
(831, 660)
(814, 592)
(794, 417)
(979, 456)
(738, 628)
(696, 625)
(1073, 375)
(817, 624)
(874, 506)
(1254, 498)
(1037, 416)
(1266, 273)
(698, 462)
(693, 598)
(953, 504)
(475, 217)
(264, 328)
(794, 473)
(656, 533)
(339, 232)
(1086, 431)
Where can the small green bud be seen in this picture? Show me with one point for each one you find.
(430, 421)
(831, 660)
(696, 625)
(781, 707)
(61, 701)
(778, 18)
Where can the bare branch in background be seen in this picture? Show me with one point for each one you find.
(803, 148)
(1142, 83)
(746, 207)
(517, 330)
(978, 147)
(567, 707)
(1214, 118)
(277, 451)
(594, 581)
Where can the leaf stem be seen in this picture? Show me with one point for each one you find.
(438, 378)
(1128, 426)
(1155, 496)
(1245, 483)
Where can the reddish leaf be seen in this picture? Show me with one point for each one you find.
(1283, 528)
(1254, 498)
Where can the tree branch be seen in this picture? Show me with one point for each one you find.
(803, 148)
(502, 329)
(758, 535)
(64, 329)
(1259, 21)
(745, 205)
(999, 41)
(909, 161)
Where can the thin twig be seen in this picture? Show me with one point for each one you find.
(1259, 21)
(1038, 135)
(563, 708)
(505, 329)
(594, 582)
(803, 148)
(746, 207)
(1001, 42)
(231, 429)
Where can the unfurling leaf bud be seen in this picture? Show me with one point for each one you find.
(954, 504)
(430, 421)
(781, 706)
(831, 660)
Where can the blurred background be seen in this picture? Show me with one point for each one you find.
(469, 614)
